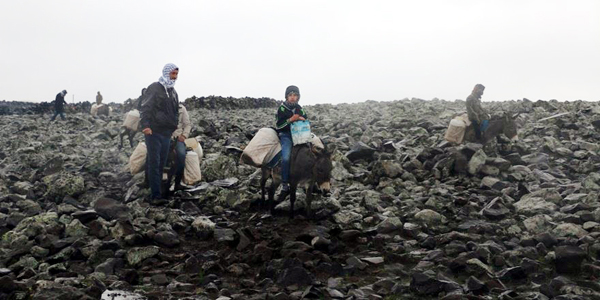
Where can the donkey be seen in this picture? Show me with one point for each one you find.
(309, 165)
(505, 124)
(130, 135)
(128, 106)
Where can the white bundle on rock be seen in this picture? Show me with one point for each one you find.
(100, 109)
(132, 119)
(137, 160)
(262, 148)
(94, 110)
(191, 173)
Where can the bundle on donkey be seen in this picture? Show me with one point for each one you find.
(461, 129)
(131, 124)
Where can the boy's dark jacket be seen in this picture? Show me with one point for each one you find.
(286, 111)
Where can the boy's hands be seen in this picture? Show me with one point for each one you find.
(296, 117)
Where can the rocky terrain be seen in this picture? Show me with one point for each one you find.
(409, 217)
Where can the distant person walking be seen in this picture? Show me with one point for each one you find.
(477, 115)
(159, 118)
(99, 98)
(59, 105)
(287, 113)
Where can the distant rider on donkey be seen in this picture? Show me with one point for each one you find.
(477, 115)
(287, 113)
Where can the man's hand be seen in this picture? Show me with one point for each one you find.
(147, 131)
(181, 138)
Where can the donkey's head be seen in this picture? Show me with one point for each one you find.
(509, 127)
(322, 168)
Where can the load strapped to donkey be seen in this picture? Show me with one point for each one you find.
(461, 128)
(310, 163)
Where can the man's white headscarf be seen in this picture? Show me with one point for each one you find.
(165, 79)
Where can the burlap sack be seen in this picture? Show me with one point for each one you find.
(132, 120)
(191, 173)
(137, 160)
(94, 110)
(196, 147)
(456, 131)
(262, 148)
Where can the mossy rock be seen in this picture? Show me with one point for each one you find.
(138, 254)
(219, 168)
(63, 184)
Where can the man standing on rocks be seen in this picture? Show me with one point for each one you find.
(287, 113)
(159, 118)
(477, 115)
(59, 105)
(99, 98)
(183, 132)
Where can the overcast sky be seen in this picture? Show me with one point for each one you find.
(334, 51)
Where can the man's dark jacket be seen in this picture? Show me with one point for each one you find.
(160, 109)
(59, 103)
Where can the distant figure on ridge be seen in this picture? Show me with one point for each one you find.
(99, 99)
(159, 114)
(59, 105)
(287, 113)
(477, 115)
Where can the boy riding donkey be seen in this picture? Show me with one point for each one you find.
(287, 113)
(477, 115)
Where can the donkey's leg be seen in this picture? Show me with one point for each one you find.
(132, 134)
(293, 188)
(167, 185)
(171, 170)
(121, 138)
(272, 189)
(309, 197)
(263, 182)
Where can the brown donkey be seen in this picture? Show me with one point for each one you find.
(505, 124)
(308, 166)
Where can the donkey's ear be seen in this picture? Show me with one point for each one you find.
(316, 150)
(330, 148)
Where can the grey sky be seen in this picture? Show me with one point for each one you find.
(335, 51)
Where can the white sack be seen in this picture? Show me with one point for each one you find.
(456, 131)
(196, 147)
(94, 110)
(132, 120)
(262, 148)
(137, 160)
(192, 174)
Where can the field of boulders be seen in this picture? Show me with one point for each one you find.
(410, 216)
